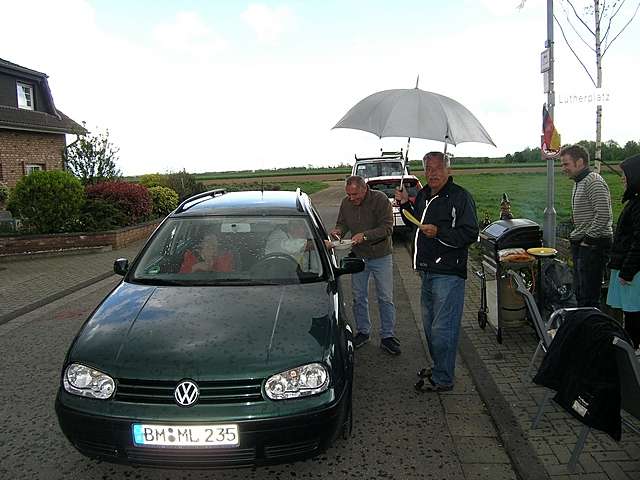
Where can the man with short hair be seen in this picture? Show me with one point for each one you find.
(447, 214)
(592, 219)
(368, 215)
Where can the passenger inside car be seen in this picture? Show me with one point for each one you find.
(293, 239)
(207, 257)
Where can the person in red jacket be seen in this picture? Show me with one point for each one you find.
(207, 258)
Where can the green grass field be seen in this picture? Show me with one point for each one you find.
(528, 194)
(307, 187)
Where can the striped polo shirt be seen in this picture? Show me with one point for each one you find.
(591, 207)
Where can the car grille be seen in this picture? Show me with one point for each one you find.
(211, 392)
(193, 457)
(290, 449)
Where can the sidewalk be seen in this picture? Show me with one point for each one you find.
(30, 283)
(553, 441)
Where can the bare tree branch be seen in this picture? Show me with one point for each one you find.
(620, 32)
(579, 18)
(573, 51)
(604, 37)
(576, 31)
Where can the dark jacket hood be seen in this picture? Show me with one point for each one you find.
(631, 169)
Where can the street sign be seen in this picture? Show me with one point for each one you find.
(545, 60)
(545, 82)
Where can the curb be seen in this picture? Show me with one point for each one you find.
(52, 298)
(523, 458)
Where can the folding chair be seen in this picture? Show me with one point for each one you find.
(629, 373)
(544, 330)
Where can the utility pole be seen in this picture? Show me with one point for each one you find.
(549, 229)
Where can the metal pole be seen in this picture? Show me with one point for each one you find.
(549, 232)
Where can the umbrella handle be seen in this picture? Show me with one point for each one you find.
(404, 164)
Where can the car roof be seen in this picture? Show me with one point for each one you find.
(253, 203)
(390, 177)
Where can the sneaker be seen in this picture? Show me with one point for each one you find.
(430, 386)
(391, 345)
(360, 340)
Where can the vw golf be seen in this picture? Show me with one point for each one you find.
(225, 343)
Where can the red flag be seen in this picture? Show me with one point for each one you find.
(550, 136)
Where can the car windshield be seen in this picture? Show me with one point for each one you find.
(219, 250)
(379, 169)
(389, 186)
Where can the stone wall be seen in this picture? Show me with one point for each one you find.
(63, 241)
(19, 149)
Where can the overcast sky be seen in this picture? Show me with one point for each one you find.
(224, 85)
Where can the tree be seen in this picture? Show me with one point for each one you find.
(92, 158)
(599, 21)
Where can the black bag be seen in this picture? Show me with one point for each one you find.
(557, 285)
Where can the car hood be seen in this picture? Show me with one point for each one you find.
(206, 333)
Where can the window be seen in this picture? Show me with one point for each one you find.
(30, 168)
(25, 96)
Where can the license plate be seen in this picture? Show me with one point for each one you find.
(185, 435)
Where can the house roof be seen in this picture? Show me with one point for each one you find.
(14, 66)
(53, 121)
(31, 120)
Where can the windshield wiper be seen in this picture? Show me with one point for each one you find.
(159, 282)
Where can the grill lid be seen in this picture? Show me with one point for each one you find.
(501, 228)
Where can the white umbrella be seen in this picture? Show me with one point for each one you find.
(415, 113)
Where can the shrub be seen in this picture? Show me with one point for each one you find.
(165, 200)
(132, 200)
(153, 180)
(4, 192)
(47, 202)
(185, 184)
(98, 214)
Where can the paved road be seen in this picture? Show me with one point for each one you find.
(398, 433)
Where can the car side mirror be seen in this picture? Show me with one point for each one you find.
(350, 265)
(121, 266)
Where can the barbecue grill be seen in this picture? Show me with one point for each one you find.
(505, 304)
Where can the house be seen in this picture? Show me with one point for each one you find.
(32, 129)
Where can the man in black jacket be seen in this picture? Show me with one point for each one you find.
(447, 214)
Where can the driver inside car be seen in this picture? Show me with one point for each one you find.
(207, 257)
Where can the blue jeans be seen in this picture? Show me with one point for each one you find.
(589, 263)
(382, 270)
(442, 303)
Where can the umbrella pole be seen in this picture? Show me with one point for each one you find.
(406, 161)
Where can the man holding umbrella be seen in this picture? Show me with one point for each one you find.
(448, 225)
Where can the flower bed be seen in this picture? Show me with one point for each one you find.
(25, 244)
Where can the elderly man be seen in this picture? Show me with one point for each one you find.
(368, 215)
(449, 225)
(592, 219)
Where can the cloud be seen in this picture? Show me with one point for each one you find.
(269, 24)
(188, 34)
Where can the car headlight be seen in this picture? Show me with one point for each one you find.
(298, 382)
(87, 382)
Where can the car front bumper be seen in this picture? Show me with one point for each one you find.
(264, 441)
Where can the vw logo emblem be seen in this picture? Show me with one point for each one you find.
(186, 393)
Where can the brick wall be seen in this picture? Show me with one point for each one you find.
(18, 149)
(61, 241)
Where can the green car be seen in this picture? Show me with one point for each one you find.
(225, 344)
